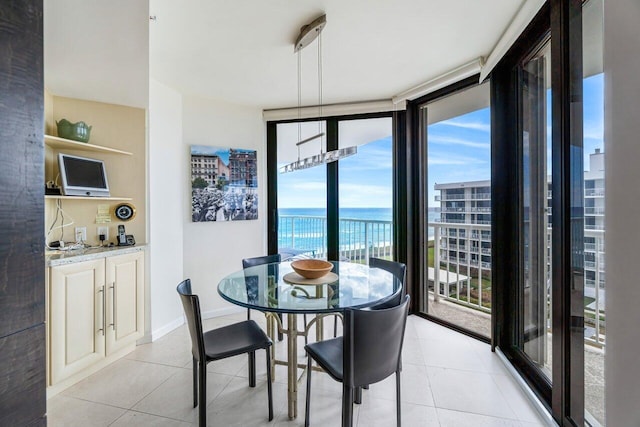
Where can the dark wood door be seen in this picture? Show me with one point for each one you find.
(22, 330)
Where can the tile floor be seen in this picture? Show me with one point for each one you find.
(448, 379)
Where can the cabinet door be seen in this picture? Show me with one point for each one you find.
(125, 300)
(77, 310)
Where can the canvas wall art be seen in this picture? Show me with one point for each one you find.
(224, 184)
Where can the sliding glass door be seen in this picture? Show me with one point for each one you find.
(539, 229)
(341, 210)
(455, 133)
(534, 337)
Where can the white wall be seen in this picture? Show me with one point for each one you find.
(622, 160)
(214, 249)
(167, 161)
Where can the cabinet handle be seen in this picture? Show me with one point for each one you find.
(104, 311)
(113, 306)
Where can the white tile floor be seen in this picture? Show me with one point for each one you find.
(448, 379)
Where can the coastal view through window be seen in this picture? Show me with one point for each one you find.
(302, 195)
(365, 192)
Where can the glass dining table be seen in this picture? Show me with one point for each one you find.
(276, 290)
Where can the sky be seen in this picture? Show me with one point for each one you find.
(365, 180)
(459, 149)
(222, 153)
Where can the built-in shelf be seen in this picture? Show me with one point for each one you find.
(87, 198)
(62, 143)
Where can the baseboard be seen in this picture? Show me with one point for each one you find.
(164, 330)
(222, 312)
(179, 321)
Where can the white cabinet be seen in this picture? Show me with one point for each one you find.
(77, 323)
(96, 309)
(125, 297)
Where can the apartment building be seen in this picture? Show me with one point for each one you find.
(464, 235)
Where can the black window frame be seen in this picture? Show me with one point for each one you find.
(400, 190)
(561, 22)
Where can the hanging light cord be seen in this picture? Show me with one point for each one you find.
(299, 99)
(320, 88)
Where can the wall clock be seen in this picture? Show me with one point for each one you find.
(125, 211)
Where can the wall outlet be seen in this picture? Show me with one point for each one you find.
(105, 231)
(81, 234)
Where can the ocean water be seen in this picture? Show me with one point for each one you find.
(380, 214)
(305, 228)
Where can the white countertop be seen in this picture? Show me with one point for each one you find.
(54, 257)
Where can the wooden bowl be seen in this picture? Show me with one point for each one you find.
(311, 268)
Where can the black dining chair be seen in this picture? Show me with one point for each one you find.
(268, 259)
(369, 351)
(399, 271)
(261, 260)
(232, 340)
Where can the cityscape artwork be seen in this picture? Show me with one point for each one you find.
(224, 184)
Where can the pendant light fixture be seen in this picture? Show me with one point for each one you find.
(308, 34)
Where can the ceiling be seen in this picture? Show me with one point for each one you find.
(241, 51)
(97, 50)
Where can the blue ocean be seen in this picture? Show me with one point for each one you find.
(305, 229)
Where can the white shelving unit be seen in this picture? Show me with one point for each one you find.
(87, 198)
(61, 143)
(58, 143)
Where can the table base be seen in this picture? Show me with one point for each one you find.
(292, 333)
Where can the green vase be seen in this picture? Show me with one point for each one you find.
(76, 131)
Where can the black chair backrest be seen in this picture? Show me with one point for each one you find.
(260, 260)
(373, 343)
(191, 305)
(252, 281)
(399, 271)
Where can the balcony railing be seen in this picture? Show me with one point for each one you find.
(466, 281)
(358, 239)
(594, 227)
(593, 211)
(592, 283)
(594, 192)
(462, 280)
(450, 197)
(459, 278)
(592, 247)
(481, 196)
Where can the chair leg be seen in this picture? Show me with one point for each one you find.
(202, 388)
(398, 413)
(195, 382)
(307, 403)
(347, 406)
(269, 387)
(252, 369)
(357, 397)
